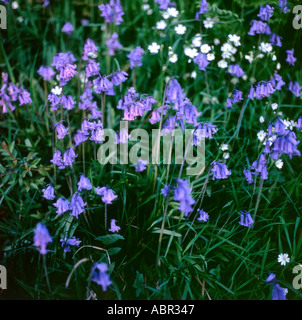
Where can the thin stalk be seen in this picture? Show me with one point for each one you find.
(258, 198)
(46, 273)
(106, 216)
(201, 196)
(161, 232)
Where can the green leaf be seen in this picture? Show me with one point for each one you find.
(110, 238)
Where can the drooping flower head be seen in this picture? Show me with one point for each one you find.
(49, 192)
(84, 183)
(89, 49)
(220, 170)
(66, 243)
(41, 237)
(135, 57)
(46, 73)
(182, 194)
(107, 194)
(278, 292)
(266, 12)
(203, 216)
(112, 12)
(290, 57)
(62, 205)
(113, 226)
(113, 44)
(57, 159)
(69, 156)
(68, 28)
(62, 131)
(203, 8)
(100, 275)
(202, 61)
(235, 70)
(77, 205)
(246, 219)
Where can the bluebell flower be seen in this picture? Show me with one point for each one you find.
(100, 275)
(84, 183)
(66, 243)
(62, 205)
(203, 216)
(41, 237)
(220, 170)
(107, 194)
(49, 192)
(278, 292)
(182, 194)
(113, 226)
(246, 219)
(77, 205)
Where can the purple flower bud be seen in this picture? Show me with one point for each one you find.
(237, 96)
(174, 93)
(79, 137)
(229, 104)
(113, 226)
(165, 190)
(141, 165)
(290, 57)
(203, 216)
(295, 88)
(49, 192)
(54, 101)
(41, 237)
(163, 4)
(275, 40)
(102, 84)
(248, 176)
(68, 28)
(112, 12)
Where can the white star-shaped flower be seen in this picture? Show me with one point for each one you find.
(283, 259)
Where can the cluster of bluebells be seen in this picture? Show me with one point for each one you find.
(10, 94)
(76, 205)
(176, 111)
(112, 12)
